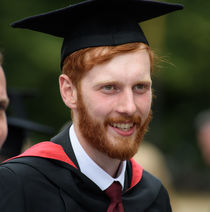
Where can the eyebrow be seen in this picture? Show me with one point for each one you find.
(106, 82)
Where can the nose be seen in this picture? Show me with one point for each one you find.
(126, 104)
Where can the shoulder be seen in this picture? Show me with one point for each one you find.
(143, 178)
(19, 177)
(153, 184)
(10, 190)
(33, 169)
(20, 173)
(7, 175)
(16, 167)
(157, 192)
(12, 171)
(151, 181)
(13, 174)
(151, 193)
(140, 177)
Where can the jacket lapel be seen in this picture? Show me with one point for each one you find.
(63, 139)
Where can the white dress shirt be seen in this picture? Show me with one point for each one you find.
(89, 168)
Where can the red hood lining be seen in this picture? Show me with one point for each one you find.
(47, 149)
(54, 151)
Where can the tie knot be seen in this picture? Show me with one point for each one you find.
(114, 192)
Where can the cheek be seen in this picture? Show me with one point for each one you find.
(99, 107)
(144, 105)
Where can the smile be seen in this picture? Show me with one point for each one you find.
(123, 126)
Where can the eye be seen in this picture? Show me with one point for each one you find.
(109, 89)
(141, 87)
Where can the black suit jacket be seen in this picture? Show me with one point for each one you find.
(48, 178)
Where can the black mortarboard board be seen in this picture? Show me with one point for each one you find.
(97, 22)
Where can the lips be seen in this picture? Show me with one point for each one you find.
(123, 129)
(123, 126)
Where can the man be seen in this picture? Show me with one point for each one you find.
(202, 124)
(3, 104)
(106, 82)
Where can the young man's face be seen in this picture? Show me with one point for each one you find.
(114, 104)
(3, 106)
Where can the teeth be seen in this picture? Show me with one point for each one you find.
(121, 126)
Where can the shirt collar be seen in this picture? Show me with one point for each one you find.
(94, 172)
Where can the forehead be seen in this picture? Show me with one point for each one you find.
(133, 65)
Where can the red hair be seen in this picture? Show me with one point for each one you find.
(81, 61)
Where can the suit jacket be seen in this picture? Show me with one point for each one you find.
(47, 178)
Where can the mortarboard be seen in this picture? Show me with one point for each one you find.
(97, 22)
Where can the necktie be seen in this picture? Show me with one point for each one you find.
(114, 192)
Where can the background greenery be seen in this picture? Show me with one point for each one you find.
(181, 86)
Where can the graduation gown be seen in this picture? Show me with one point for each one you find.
(47, 178)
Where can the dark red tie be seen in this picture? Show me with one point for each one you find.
(114, 192)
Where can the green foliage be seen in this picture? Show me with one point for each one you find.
(32, 61)
(182, 85)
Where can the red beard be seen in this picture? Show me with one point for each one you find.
(96, 134)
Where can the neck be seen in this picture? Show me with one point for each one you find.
(108, 164)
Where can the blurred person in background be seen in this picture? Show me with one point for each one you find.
(4, 101)
(185, 200)
(12, 129)
(196, 196)
(202, 124)
(106, 82)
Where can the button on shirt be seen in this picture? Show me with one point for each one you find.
(94, 172)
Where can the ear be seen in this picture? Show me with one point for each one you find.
(68, 91)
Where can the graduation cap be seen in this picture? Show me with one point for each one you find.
(97, 22)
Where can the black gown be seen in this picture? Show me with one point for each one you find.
(47, 178)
